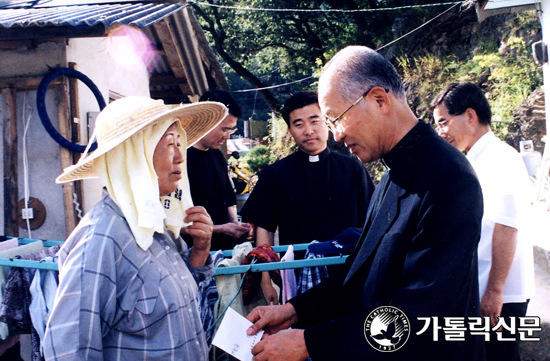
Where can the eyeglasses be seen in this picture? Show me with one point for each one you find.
(228, 131)
(440, 125)
(333, 123)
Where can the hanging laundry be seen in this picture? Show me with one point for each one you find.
(4, 271)
(311, 276)
(9, 244)
(42, 289)
(14, 309)
(288, 276)
(25, 249)
(343, 244)
(252, 280)
(228, 285)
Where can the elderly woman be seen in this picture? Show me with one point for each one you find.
(127, 282)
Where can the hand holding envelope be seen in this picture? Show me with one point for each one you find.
(232, 338)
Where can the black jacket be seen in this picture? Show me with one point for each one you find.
(418, 252)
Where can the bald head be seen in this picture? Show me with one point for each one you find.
(362, 95)
(359, 68)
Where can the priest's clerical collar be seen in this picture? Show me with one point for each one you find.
(304, 157)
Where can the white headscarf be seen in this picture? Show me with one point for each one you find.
(132, 182)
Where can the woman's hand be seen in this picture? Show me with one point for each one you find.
(201, 232)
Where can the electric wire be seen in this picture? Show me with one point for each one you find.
(27, 121)
(75, 202)
(320, 10)
(421, 26)
(273, 86)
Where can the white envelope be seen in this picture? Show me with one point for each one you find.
(232, 338)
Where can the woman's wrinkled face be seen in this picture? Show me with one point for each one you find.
(167, 161)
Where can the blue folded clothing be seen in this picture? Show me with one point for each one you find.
(344, 243)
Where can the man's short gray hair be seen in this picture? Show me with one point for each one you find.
(360, 68)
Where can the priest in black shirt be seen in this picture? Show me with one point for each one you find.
(313, 194)
(209, 178)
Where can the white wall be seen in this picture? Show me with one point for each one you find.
(93, 59)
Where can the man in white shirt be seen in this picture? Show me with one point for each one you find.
(505, 258)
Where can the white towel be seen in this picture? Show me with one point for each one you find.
(288, 276)
(130, 178)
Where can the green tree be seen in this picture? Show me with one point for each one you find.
(293, 44)
(258, 158)
(506, 73)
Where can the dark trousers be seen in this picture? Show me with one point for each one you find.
(506, 350)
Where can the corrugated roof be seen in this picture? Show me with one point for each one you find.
(138, 14)
(182, 58)
(15, 4)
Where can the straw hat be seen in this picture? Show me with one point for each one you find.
(126, 116)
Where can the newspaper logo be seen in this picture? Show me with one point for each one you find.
(387, 329)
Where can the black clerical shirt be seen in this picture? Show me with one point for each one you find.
(310, 200)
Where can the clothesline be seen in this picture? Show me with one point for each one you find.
(317, 262)
(45, 243)
(297, 247)
(326, 261)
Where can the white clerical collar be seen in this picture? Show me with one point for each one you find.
(313, 158)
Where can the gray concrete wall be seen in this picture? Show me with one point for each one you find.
(93, 57)
(26, 59)
(31, 59)
(44, 166)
